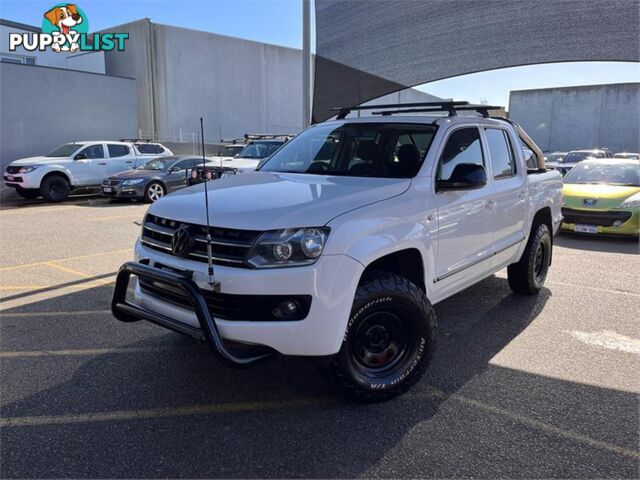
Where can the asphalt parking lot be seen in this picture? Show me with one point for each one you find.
(520, 387)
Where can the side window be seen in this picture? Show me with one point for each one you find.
(463, 146)
(502, 161)
(117, 150)
(184, 164)
(94, 151)
(149, 148)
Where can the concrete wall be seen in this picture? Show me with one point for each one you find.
(580, 117)
(43, 107)
(238, 86)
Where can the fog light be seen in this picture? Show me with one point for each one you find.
(617, 223)
(287, 309)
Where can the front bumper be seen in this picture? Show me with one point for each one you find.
(331, 282)
(119, 191)
(24, 180)
(630, 227)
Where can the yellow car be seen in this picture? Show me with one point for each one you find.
(603, 197)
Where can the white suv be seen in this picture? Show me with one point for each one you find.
(342, 242)
(77, 165)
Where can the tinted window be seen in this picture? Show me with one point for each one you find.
(117, 150)
(189, 163)
(94, 151)
(502, 161)
(151, 148)
(259, 149)
(463, 146)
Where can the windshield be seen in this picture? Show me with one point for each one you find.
(64, 150)
(575, 157)
(230, 150)
(626, 174)
(259, 149)
(158, 164)
(356, 149)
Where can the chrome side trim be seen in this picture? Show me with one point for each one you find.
(478, 260)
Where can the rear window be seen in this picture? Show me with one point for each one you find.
(149, 148)
(117, 150)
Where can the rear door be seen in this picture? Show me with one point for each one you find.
(466, 218)
(511, 195)
(121, 158)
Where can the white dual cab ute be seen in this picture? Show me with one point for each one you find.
(77, 165)
(341, 243)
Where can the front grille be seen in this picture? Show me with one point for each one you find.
(228, 306)
(229, 246)
(15, 179)
(12, 169)
(111, 183)
(594, 217)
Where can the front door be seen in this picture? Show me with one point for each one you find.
(89, 165)
(465, 239)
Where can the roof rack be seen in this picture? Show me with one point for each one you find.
(262, 136)
(394, 108)
(444, 105)
(232, 141)
(137, 140)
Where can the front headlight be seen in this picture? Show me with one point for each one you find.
(632, 201)
(288, 247)
(28, 169)
(132, 181)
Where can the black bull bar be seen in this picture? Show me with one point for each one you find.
(208, 331)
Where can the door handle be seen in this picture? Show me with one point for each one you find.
(102, 163)
(521, 195)
(128, 161)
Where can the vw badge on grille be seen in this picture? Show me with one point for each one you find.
(181, 242)
(589, 202)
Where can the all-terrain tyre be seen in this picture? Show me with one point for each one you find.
(389, 340)
(528, 275)
(55, 188)
(28, 193)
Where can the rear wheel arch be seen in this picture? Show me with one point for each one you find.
(543, 217)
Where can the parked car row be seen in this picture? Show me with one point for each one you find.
(131, 168)
(565, 161)
(77, 165)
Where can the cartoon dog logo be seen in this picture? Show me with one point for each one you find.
(65, 17)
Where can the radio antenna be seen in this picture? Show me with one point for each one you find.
(206, 206)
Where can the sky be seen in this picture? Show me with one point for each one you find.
(279, 22)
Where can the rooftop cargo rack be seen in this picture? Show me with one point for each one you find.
(452, 107)
(137, 140)
(264, 136)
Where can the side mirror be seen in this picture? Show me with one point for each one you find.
(466, 176)
(80, 156)
(174, 169)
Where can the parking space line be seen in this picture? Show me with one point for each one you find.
(51, 314)
(586, 287)
(169, 412)
(80, 257)
(116, 217)
(537, 424)
(87, 352)
(66, 269)
(22, 287)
